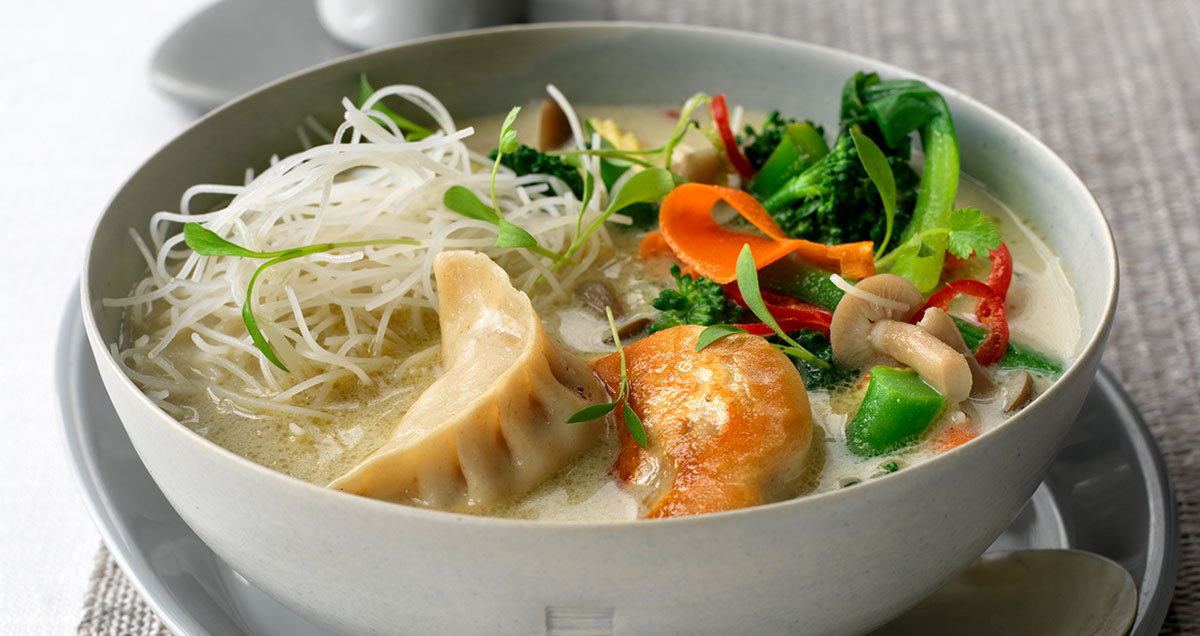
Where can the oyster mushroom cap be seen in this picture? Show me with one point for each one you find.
(878, 297)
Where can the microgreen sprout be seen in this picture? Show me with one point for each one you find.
(415, 131)
(467, 203)
(685, 120)
(595, 411)
(648, 186)
(747, 282)
(715, 333)
(649, 157)
(880, 171)
(208, 243)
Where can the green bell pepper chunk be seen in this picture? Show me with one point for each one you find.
(896, 409)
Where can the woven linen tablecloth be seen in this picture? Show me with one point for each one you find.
(1112, 86)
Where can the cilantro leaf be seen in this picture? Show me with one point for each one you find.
(971, 232)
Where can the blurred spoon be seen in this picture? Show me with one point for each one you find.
(1060, 592)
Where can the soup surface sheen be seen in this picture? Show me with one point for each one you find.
(1042, 312)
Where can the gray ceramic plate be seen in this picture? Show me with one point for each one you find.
(1106, 492)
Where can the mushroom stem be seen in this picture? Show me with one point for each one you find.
(939, 323)
(938, 364)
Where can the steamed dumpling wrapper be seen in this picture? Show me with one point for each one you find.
(495, 424)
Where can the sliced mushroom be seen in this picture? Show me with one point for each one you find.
(856, 314)
(939, 323)
(1018, 391)
(598, 294)
(870, 327)
(699, 166)
(553, 128)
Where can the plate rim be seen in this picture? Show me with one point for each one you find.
(72, 341)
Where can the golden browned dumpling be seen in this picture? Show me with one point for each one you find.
(727, 427)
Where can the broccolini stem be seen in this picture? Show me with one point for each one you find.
(935, 200)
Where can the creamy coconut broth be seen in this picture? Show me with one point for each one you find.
(357, 418)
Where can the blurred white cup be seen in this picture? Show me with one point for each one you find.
(371, 23)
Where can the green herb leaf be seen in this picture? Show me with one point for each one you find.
(415, 131)
(747, 282)
(589, 189)
(592, 412)
(512, 235)
(971, 232)
(205, 242)
(612, 327)
(880, 171)
(508, 136)
(635, 426)
(715, 333)
(632, 421)
(685, 120)
(803, 354)
(256, 335)
(467, 203)
(647, 186)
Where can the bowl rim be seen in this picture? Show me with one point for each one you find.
(1089, 350)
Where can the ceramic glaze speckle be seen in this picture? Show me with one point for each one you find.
(360, 566)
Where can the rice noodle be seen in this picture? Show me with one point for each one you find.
(874, 299)
(334, 318)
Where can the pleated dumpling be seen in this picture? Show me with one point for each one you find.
(495, 424)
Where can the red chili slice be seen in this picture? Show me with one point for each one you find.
(989, 310)
(788, 324)
(1002, 270)
(790, 313)
(720, 116)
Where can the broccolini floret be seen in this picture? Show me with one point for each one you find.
(697, 301)
(763, 142)
(525, 160)
(834, 201)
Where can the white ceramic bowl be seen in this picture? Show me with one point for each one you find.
(836, 563)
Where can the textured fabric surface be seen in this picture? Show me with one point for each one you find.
(1112, 87)
(113, 607)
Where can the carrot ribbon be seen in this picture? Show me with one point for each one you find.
(689, 228)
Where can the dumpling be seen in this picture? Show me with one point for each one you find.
(495, 424)
(727, 427)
